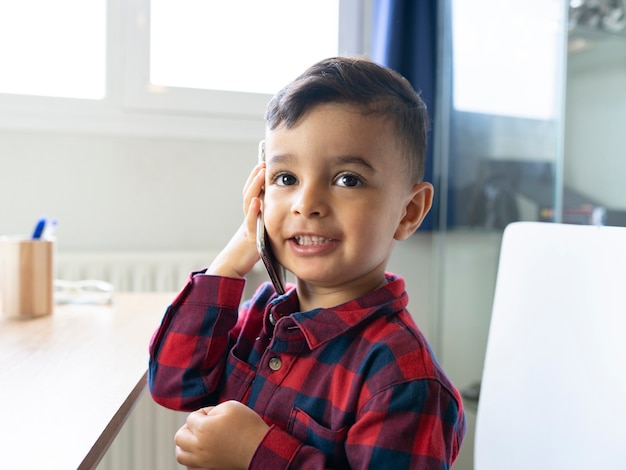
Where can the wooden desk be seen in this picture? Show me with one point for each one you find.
(68, 381)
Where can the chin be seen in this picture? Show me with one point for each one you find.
(315, 277)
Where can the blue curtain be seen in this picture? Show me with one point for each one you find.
(404, 38)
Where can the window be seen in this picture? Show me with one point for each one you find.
(240, 45)
(45, 51)
(108, 66)
(491, 73)
(228, 58)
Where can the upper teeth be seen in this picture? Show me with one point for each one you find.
(310, 240)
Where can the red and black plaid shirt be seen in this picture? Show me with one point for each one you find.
(355, 386)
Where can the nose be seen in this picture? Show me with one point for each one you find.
(310, 201)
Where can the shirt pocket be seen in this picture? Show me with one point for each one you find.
(239, 376)
(332, 442)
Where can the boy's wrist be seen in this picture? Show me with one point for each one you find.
(223, 271)
(277, 449)
(223, 264)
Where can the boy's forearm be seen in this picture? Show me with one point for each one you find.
(189, 350)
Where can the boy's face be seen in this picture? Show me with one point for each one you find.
(337, 194)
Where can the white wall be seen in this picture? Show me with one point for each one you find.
(595, 133)
(123, 193)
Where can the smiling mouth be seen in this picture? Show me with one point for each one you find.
(308, 240)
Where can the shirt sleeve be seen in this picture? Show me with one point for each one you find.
(411, 425)
(189, 350)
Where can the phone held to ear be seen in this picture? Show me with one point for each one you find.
(274, 269)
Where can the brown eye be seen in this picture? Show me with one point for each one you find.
(348, 180)
(285, 179)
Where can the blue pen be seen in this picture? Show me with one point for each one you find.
(41, 224)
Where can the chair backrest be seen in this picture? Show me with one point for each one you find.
(553, 392)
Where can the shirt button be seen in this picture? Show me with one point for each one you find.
(275, 363)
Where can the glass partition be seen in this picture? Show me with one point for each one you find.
(500, 152)
(499, 159)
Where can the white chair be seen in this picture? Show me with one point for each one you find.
(553, 392)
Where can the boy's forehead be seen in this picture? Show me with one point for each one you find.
(336, 108)
(343, 124)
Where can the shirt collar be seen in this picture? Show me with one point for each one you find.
(324, 324)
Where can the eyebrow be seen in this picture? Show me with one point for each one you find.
(342, 159)
(280, 158)
(355, 160)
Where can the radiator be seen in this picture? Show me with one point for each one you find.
(146, 441)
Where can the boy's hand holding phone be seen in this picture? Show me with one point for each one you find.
(251, 242)
(240, 254)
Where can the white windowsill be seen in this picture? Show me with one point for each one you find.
(31, 114)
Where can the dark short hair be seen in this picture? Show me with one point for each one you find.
(360, 82)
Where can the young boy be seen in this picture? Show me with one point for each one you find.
(333, 373)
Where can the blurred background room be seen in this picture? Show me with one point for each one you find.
(135, 123)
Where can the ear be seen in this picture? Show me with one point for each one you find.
(419, 203)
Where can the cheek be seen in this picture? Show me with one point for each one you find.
(380, 222)
(272, 210)
(372, 224)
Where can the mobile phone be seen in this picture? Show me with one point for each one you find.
(273, 267)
